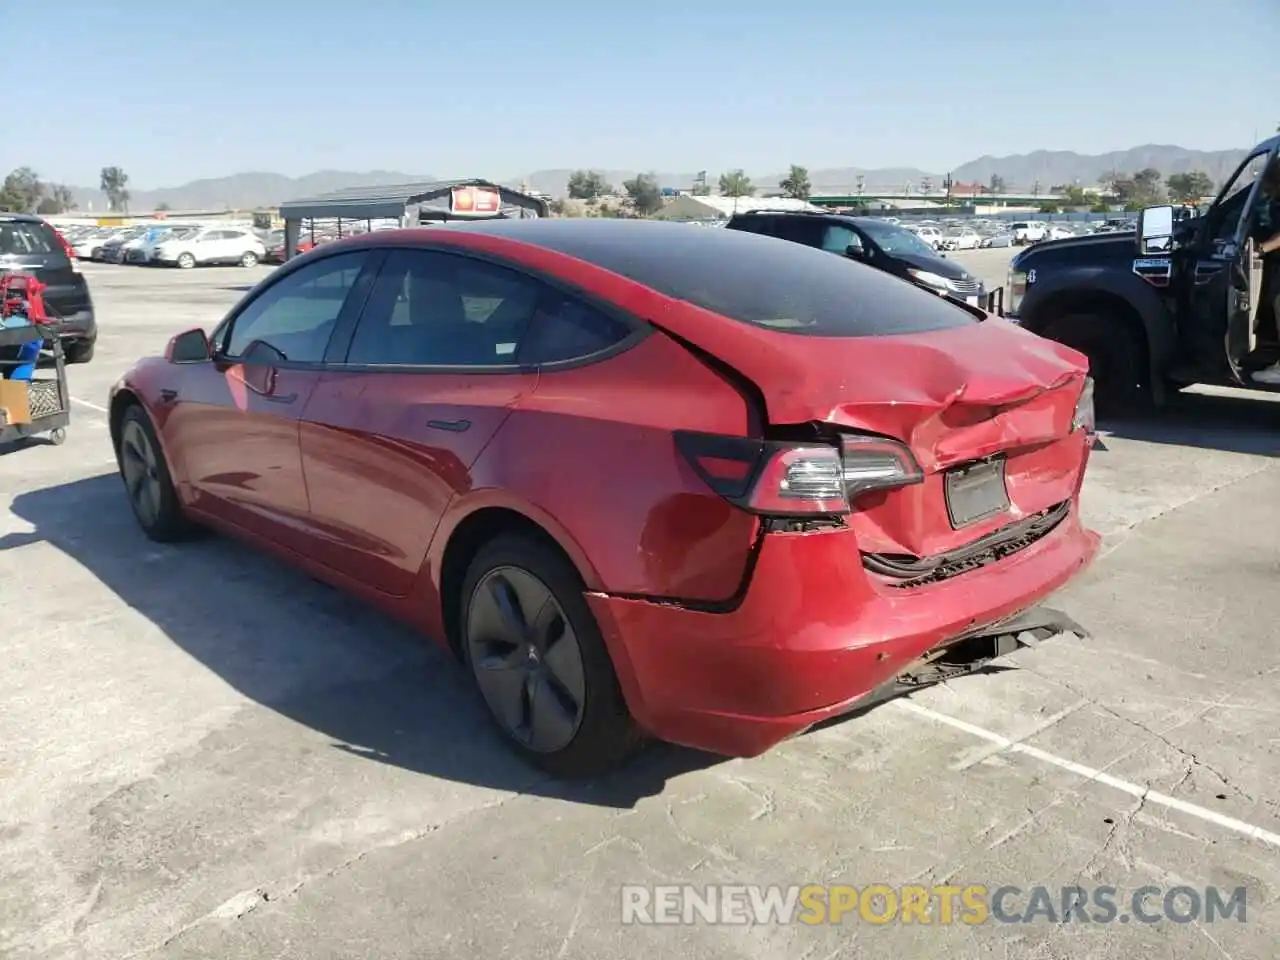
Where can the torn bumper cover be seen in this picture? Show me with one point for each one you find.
(971, 652)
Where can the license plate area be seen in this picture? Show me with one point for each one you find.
(975, 492)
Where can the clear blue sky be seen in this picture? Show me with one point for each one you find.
(176, 91)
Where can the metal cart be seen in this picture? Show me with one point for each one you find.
(23, 384)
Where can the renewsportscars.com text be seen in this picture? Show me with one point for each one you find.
(968, 904)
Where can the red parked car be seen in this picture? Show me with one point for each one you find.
(643, 478)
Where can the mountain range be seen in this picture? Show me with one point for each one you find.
(1046, 168)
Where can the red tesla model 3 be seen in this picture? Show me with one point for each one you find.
(645, 479)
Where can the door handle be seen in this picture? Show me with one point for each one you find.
(168, 396)
(455, 426)
(281, 398)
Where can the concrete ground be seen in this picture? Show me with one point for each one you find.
(204, 754)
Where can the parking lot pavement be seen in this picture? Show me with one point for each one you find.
(204, 754)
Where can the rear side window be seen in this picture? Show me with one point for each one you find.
(769, 283)
(438, 309)
(25, 238)
(567, 329)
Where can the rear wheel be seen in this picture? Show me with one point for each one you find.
(248, 259)
(186, 261)
(537, 656)
(80, 351)
(1117, 361)
(147, 480)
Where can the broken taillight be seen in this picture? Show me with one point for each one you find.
(781, 478)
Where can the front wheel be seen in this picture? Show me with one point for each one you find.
(1117, 361)
(248, 259)
(147, 481)
(186, 261)
(537, 656)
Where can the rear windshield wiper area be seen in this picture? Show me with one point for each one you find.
(907, 571)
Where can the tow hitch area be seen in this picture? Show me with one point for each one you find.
(971, 651)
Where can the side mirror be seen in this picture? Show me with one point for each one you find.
(190, 346)
(855, 251)
(1155, 231)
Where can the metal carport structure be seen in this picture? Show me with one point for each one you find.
(411, 204)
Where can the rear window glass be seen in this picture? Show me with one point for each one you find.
(770, 283)
(23, 238)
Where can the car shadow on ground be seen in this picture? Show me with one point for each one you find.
(373, 687)
(1232, 424)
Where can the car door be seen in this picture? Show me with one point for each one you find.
(389, 437)
(233, 425)
(1226, 273)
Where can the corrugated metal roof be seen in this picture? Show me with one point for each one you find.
(731, 205)
(390, 193)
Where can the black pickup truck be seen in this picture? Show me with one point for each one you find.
(1176, 302)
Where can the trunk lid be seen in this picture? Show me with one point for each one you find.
(954, 396)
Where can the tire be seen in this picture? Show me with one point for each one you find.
(186, 261)
(248, 259)
(80, 351)
(587, 730)
(1117, 361)
(160, 516)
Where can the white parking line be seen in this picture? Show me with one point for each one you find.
(91, 406)
(1145, 794)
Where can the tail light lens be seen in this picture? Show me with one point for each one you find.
(784, 479)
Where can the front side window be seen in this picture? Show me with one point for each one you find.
(296, 315)
(440, 309)
(838, 238)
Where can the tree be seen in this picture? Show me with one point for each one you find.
(163, 207)
(22, 191)
(1143, 189)
(63, 196)
(1189, 187)
(589, 185)
(996, 184)
(645, 194)
(58, 200)
(796, 183)
(1072, 195)
(114, 182)
(736, 183)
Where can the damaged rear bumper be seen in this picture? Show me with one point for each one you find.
(815, 637)
(971, 652)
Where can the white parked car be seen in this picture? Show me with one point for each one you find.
(962, 239)
(1058, 233)
(1029, 232)
(212, 245)
(87, 246)
(144, 249)
(930, 235)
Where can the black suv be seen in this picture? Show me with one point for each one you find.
(1179, 300)
(872, 241)
(29, 244)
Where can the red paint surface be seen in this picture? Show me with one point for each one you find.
(348, 481)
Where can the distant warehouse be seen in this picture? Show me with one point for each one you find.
(411, 204)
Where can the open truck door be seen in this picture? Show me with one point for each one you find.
(1244, 297)
(1219, 273)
